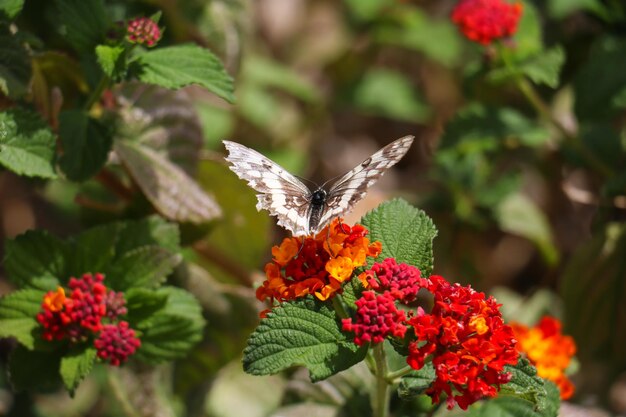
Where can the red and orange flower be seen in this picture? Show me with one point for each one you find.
(89, 311)
(316, 265)
(550, 351)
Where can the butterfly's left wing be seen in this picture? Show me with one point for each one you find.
(280, 193)
(352, 187)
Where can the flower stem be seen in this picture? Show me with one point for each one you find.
(530, 93)
(120, 394)
(392, 376)
(103, 84)
(381, 394)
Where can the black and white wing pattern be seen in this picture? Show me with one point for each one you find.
(280, 193)
(352, 187)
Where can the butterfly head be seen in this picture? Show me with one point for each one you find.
(318, 198)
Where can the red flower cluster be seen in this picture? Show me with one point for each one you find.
(80, 316)
(376, 318)
(549, 350)
(464, 335)
(468, 340)
(143, 30)
(402, 281)
(316, 265)
(485, 20)
(116, 343)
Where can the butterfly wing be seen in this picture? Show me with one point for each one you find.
(280, 193)
(352, 187)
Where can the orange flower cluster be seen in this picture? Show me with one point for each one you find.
(549, 350)
(323, 263)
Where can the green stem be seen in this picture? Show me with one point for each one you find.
(392, 376)
(339, 307)
(103, 84)
(120, 394)
(381, 394)
(530, 93)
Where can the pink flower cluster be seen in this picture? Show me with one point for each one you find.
(143, 30)
(483, 21)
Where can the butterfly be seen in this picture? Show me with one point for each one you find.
(298, 209)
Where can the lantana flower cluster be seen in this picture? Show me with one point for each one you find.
(484, 21)
(143, 30)
(316, 265)
(89, 311)
(549, 350)
(464, 335)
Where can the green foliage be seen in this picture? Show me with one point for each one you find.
(177, 66)
(11, 8)
(26, 144)
(83, 23)
(17, 315)
(519, 215)
(86, 145)
(542, 68)
(405, 232)
(15, 66)
(112, 60)
(390, 94)
(416, 382)
(525, 384)
(600, 80)
(592, 290)
(305, 333)
(172, 330)
(76, 365)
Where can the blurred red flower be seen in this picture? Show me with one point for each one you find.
(483, 21)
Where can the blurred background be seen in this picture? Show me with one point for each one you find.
(530, 207)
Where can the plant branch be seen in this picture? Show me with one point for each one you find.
(96, 93)
(381, 395)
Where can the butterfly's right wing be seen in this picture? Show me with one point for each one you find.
(281, 193)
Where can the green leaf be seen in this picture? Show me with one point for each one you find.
(86, 145)
(152, 230)
(33, 370)
(560, 9)
(305, 333)
(112, 60)
(10, 8)
(267, 73)
(147, 266)
(592, 288)
(367, 9)
(412, 28)
(178, 66)
(525, 384)
(416, 382)
(35, 259)
(545, 67)
(542, 68)
(15, 65)
(405, 232)
(83, 23)
(76, 365)
(27, 145)
(390, 94)
(491, 127)
(17, 315)
(169, 189)
(528, 38)
(91, 251)
(600, 80)
(142, 304)
(173, 330)
(519, 215)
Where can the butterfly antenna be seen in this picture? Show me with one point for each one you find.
(315, 186)
(301, 247)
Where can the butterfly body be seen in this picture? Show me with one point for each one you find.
(298, 209)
